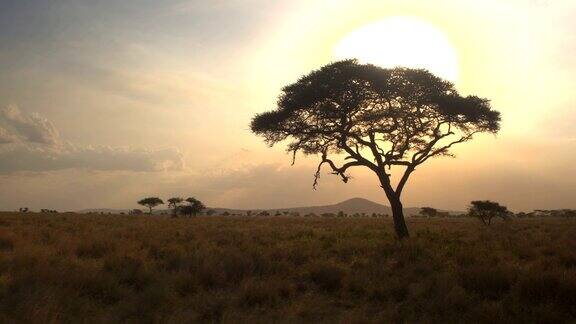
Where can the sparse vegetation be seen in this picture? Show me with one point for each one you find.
(113, 268)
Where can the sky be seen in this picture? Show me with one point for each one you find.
(104, 102)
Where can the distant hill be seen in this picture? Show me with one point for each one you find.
(350, 206)
(103, 210)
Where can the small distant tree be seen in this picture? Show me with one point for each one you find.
(341, 214)
(210, 212)
(278, 213)
(186, 210)
(23, 209)
(486, 210)
(174, 204)
(226, 213)
(194, 207)
(151, 202)
(428, 212)
(264, 213)
(136, 211)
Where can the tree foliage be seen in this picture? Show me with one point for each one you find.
(174, 204)
(376, 118)
(486, 210)
(428, 212)
(194, 207)
(151, 202)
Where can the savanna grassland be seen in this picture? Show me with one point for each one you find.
(100, 268)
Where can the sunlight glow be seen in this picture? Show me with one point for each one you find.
(401, 41)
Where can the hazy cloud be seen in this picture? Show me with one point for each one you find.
(14, 158)
(30, 142)
(33, 128)
(7, 136)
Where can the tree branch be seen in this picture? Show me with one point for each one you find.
(341, 171)
(404, 179)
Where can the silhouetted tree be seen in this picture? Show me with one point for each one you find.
(135, 211)
(428, 212)
(210, 212)
(486, 210)
(378, 118)
(195, 206)
(23, 209)
(151, 202)
(186, 210)
(174, 204)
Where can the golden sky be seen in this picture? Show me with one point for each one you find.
(104, 102)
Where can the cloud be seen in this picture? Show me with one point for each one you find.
(32, 128)
(32, 143)
(14, 158)
(7, 136)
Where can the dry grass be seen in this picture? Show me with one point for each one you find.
(76, 268)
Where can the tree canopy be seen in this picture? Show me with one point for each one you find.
(174, 202)
(486, 210)
(194, 206)
(428, 211)
(377, 118)
(151, 202)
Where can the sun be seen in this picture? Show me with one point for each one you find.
(401, 41)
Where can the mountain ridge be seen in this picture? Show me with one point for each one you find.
(349, 206)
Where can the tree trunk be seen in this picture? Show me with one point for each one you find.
(150, 212)
(398, 216)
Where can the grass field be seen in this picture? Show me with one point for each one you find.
(79, 268)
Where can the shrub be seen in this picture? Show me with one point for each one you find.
(93, 249)
(488, 282)
(326, 275)
(6, 244)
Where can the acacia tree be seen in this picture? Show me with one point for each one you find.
(486, 210)
(151, 202)
(428, 211)
(174, 203)
(194, 207)
(376, 118)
